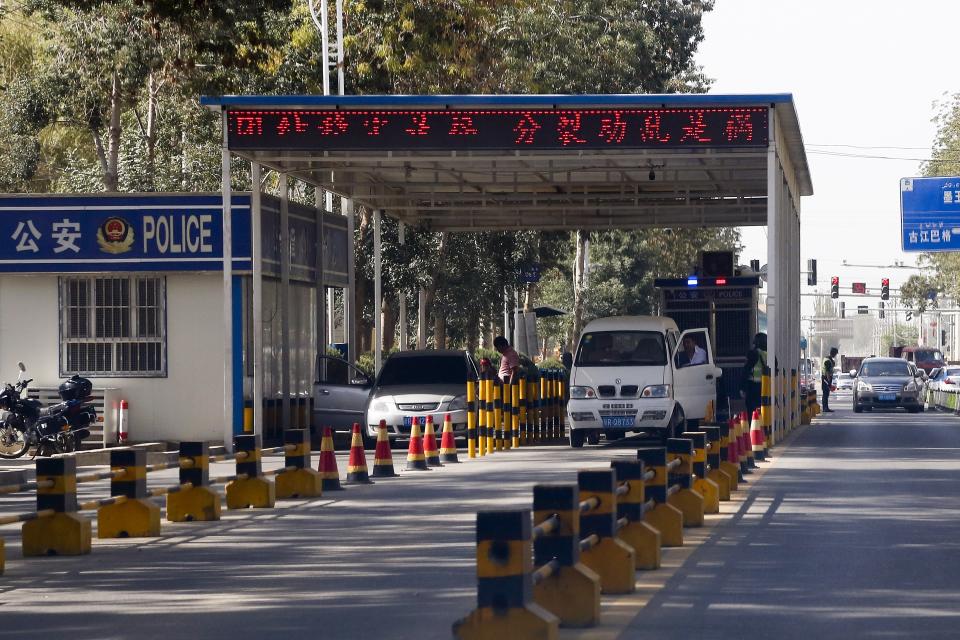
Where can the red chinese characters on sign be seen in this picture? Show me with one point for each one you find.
(613, 129)
(568, 129)
(651, 131)
(249, 125)
(294, 122)
(739, 127)
(333, 125)
(462, 126)
(526, 129)
(695, 130)
(419, 126)
(374, 125)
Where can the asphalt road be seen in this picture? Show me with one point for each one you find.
(847, 532)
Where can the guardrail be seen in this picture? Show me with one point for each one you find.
(588, 538)
(509, 416)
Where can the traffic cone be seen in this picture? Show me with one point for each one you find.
(327, 468)
(733, 451)
(448, 444)
(383, 456)
(416, 461)
(430, 444)
(745, 446)
(756, 436)
(357, 464)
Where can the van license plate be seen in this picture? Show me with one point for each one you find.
(617, 421)
(887, 397)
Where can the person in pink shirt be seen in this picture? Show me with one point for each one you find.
(509, 359)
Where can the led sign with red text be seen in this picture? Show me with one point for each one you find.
(498, 129)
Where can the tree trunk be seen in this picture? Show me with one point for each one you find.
(435, 283)
(111, 179)
(579, 290)
(440, 330)
(364, 326)
(151, 132)
(389, 326)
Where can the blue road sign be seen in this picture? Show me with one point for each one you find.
(930, 214)
(530, 273)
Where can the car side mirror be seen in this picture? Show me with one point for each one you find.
(718, 372)
(853, 372)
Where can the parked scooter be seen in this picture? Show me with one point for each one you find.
(56, 429)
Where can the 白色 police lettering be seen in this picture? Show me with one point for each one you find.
(186, 233)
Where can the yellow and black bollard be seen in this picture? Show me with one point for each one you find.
(65, 532)
(643, 537)
(716, 452)
(482, 415)
(706, 487)
(794, 404)
(135, 517)
(250, 488)
(471, 418)
(664, 517)
(680, 473)
(507, 416)
(491, 414)
(602, 551)
(572, 590)
(515, 410)
(303, 482)
(766, 409)
(497, 416)
(561, 406)
(198, 503)
(727, 455)
(505, 606)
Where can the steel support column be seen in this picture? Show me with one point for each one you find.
(257, 294)
(225, 189)
(285, 301)
(377, 294)
(402, 296)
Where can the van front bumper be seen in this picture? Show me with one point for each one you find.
(622, 415)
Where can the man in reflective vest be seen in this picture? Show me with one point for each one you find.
(826, 378)
(750, 386)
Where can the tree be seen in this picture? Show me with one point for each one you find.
(914, 293)
(945, 161)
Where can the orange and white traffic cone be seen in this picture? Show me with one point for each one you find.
(733, 451)
(746, 447)
(329, 475)
(448, 444)
(357, 464)
(430, 451)
(383, 456)
(757, 437)
(416, 461)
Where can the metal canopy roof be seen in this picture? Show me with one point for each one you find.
(474, 189)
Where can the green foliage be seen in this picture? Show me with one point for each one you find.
(907, 334)
(945, 161)
(913, 292)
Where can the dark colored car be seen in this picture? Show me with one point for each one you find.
(887, 383)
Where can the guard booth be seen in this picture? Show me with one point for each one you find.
(130, 291)
(727, 305)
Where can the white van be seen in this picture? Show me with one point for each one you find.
(639, 373)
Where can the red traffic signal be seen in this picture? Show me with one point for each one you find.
(885, 289)
(834, 287)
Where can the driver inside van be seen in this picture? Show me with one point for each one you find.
(602, 349)
(692, 353)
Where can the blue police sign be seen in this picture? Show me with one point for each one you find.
(530, 273)
(930, 214)
(121, 232)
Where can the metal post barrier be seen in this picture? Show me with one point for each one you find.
(136, 516)
(684, 497)
(728, 455)
(471, 418)
(484, 415)
(199, 502)
(521, 402)
(497, 416)
(715, 453)
(612, 559)
(572, 590)
(249, 488)
(631, 505)
(706, 487)
(663, 517)
(559, 408)
(515, 411)
(507, 428)
(766, 410)
(794, 404)
(64, 532)
(302, 481)
(542, 431)
(531, 406)
(505, 605)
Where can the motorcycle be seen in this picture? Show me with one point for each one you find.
(59, 428)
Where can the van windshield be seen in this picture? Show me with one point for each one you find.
(928, 355)
(621, 349)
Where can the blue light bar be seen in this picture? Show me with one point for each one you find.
(692, 281)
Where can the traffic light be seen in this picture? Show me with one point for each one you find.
(881, 313)
(885, 289)
(843, 310)
(834, 287)
(812, 272)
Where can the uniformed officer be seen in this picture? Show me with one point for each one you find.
(750, 387)
(826, 378)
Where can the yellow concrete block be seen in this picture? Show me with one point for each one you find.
(614, 561)
(710, 492)
(128, 519)
(645, 540)
(62, 534)
(531, 622)
(690, 503)
(572, 594)
(668, 520)
(258, 493)
(722, 480)
(733, 473)
(302, 483)
(199, 504)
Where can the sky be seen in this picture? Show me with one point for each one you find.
(864, 74)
